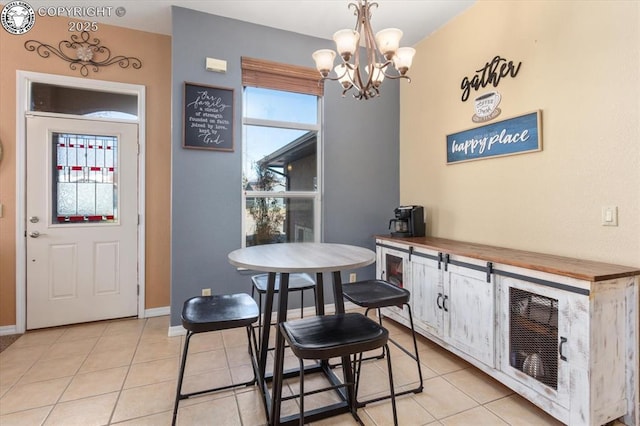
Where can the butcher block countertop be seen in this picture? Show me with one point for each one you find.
(559, 265)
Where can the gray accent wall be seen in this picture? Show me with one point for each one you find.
(360, 157)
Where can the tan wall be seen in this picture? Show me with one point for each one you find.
(154, 50)
(580, 63)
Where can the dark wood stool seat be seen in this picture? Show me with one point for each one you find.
(330, 336)
(376, 294)
(297, 282)
(203, 314)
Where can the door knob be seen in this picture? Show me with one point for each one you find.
(34, 234)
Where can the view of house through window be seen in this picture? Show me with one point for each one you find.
(281, 172)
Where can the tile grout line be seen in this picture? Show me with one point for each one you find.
(72, 376)
(124, 380)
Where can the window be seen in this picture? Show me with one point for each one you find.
(281, 163)
(79, 101)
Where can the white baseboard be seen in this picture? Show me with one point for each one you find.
(6, 330)
(178, 330)
(157, 312)
(148, 313)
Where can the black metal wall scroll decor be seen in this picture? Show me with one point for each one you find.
(491, 73)
(83, 53)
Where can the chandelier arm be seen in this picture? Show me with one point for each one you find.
(370, 46)
(331, 78)
(396, 77)
(384, 69)
(356, 77)
(347, 67)
(356, 7)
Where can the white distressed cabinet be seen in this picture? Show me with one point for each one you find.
(561, 332)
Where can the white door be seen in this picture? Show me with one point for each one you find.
(82, 220)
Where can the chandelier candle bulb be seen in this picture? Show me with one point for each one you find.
(324, 60)
(388, 41)
(378, 74)
(380, 55)
(345, 75)
(403, 59)
(346, 42)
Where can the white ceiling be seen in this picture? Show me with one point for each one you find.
(320, 18)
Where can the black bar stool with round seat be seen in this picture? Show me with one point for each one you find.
(203, 314)
(376, 294)
(330, 336)
(297, 282)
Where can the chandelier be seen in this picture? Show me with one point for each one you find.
(383, 54)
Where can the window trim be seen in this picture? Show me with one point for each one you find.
(280, 124)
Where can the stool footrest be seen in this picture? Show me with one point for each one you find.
(221, 388)
(315, 391)
(361, 404)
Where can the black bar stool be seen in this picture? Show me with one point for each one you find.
(202, 314)
(297, 282)
(376, 294)
(329, 336)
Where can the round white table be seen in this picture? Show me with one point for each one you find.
(285, 259)
(302, 257)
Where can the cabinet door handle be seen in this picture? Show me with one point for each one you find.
(563, 340)
(438, 300)
(444, 303)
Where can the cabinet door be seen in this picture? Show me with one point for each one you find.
(535, 339)
(469, 312)
(427, 293)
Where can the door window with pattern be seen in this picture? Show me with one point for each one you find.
(85, 178)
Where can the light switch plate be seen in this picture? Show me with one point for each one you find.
(610, 216)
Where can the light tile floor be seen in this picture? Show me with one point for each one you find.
(125, 372)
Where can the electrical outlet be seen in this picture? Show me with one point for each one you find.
(206, 292)
(352, 277)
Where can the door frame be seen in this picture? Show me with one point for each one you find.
(24, 78)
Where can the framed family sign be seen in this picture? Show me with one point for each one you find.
(208, 117)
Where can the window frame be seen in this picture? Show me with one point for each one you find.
(315, 196)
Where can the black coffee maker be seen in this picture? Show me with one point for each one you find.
(409, 222)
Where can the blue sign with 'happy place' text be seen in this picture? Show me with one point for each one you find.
(512, 136)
